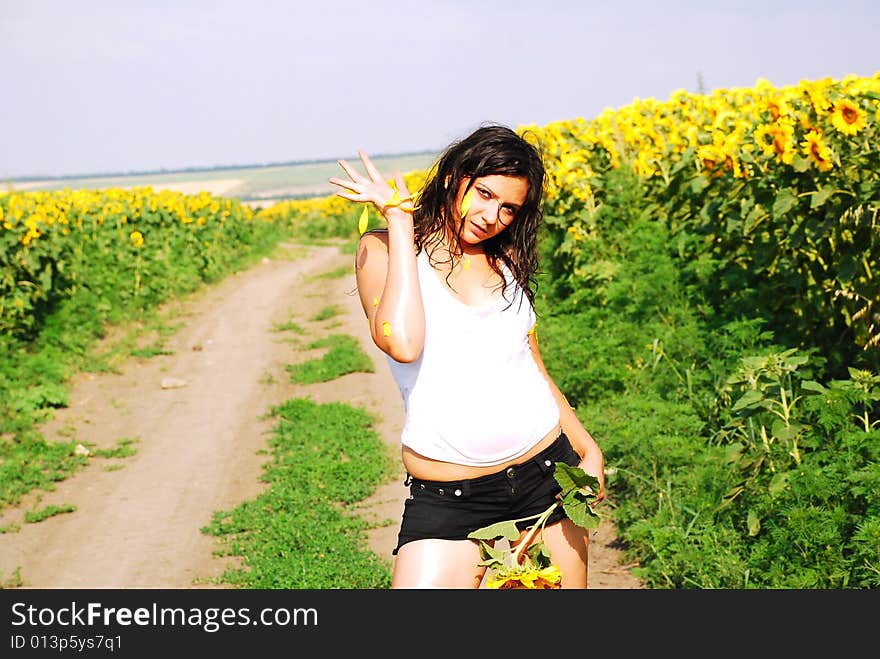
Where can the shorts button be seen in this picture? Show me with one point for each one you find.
(510, 472)
(440, 492)
(458, 493)
(422, 485)
(547, 463)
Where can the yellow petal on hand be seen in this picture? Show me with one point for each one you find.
(375, 302)
(386, 328)
(394, 201)
(466, 203)
(365, 219)
(410, 202)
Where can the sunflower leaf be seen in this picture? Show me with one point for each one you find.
(506, 529)
(575, 499)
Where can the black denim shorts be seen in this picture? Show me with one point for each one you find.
(450, 510)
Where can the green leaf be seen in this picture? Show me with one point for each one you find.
(539, 554)
(730, 496)
(800, 164)
(573, 478)
(748, 399)
(698, 184)
(491, 556)
(783, 433)
(812, 385)
(754, 218)
(506, 529)
(820, 196)
(684, 160)
(733, 452)
(754, 523)
(577, 507)
(783, 203)
(575, 501)
(778, 483)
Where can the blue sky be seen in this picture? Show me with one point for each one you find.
(110, 86)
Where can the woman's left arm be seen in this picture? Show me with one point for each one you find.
(592, 460)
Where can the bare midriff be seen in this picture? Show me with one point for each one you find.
(423, 468)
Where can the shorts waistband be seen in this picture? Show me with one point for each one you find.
(542, 462)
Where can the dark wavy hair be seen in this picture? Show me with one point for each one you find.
(492, 149)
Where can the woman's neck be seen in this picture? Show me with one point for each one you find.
(450, 246)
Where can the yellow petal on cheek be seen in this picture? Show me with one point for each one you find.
(466, 203)
(467, 264)
(365, 218)
(386, 328)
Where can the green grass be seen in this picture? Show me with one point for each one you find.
(14, 580)
(31, 462)
(344, 356)
(338, 273)
(33, 517)
(327, 312)
(299, 533)
(123, 449)
(289, 326)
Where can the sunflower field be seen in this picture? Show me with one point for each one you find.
(709, 302)
(73, 263)
(709, 305)
(712, 293)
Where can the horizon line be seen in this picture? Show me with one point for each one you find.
(30, 178)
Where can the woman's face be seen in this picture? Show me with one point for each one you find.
(495, 201)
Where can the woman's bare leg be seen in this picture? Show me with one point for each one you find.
(569, 546)
(438, 564)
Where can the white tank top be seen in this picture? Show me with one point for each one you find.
(475, 396)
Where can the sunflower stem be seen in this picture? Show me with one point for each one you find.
(539, 524)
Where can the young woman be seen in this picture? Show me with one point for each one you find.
(448, 292)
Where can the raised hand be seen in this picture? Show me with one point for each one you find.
(373, 188)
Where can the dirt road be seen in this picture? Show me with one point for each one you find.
(197, 444)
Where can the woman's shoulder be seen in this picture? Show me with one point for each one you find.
(375, 237)
(372, 244)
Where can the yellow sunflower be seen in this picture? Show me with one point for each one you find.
(137, 238)
(848, 118)
(815, 90)
(815, 149)
(778, 107)
(532, 578)
(777, 139)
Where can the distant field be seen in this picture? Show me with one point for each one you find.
(253, 185)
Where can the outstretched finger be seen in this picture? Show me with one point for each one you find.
(351, 171)
(401, 185)
(348, 185)
(370, 167)
(351, 196)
